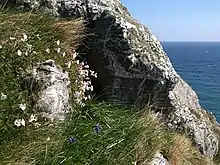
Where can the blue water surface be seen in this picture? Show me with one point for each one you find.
(198, 63)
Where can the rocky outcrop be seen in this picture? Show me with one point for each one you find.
(51, 85)
(133, 68)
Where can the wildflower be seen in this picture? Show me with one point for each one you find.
(91, 88)
(48, 139)
(24, 37)
(64, 54)
(29, 47)
(26, 53)
(32, 118)
(12, 38)
(72, 140)
(3, 96)
(97, 128)
(74, 55)
(19, 53)
(69, 64)
(77, 62)
(0, 46)
(23, 122)
(22, 106)
(93, 74)
(47, 50)
(19, 122)
(34, 52)
(58, 50)
(58, 42)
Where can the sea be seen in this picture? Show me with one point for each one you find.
(198, 63)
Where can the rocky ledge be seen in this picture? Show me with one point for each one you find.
(133, 68)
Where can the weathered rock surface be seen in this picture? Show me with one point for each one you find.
(133, 68)
(159, 159)
(51, 84)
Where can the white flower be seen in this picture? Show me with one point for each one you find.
(3, 96)
(48, 50)
(22, 106)
(93, 74)
(12, 38)
(0, 46)
(25, 38)
(48, 139)
(86, 66)
(22, 122)
(74, 55)
(58, 42)
(91, 88)
(69, 64)
(64, 54)
(26, 53)
(32, 118)
(34, 52)
(19, 53)
(58, 50)
(19, 122)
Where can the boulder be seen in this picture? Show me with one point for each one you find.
(133, 68)
(52, 86)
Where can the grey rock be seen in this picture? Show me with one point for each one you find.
(159, 159)
(52, 86)
(133, 68)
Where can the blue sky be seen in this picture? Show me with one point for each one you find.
(178, 20)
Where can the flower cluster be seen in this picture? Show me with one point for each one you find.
(22, 122)
(84, 82)
(27, 49)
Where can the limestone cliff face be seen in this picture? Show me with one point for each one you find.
(133, 68)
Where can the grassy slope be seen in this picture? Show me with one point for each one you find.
(126, 135)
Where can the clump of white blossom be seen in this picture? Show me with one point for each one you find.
(83, 81)
(3, 96)
(19, 122)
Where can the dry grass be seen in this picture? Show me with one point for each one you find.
(153, 138)
(177, 148)
(182, 152)
(74, 31)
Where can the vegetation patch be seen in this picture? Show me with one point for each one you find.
(96, 133)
